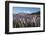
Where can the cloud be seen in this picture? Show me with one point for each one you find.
(27, 12)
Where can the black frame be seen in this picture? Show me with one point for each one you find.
(7, 16)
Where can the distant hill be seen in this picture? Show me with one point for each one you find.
(25, 15)
(36, 13)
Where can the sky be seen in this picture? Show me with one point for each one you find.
(27, 10)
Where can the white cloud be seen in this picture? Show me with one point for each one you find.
(27, 12)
